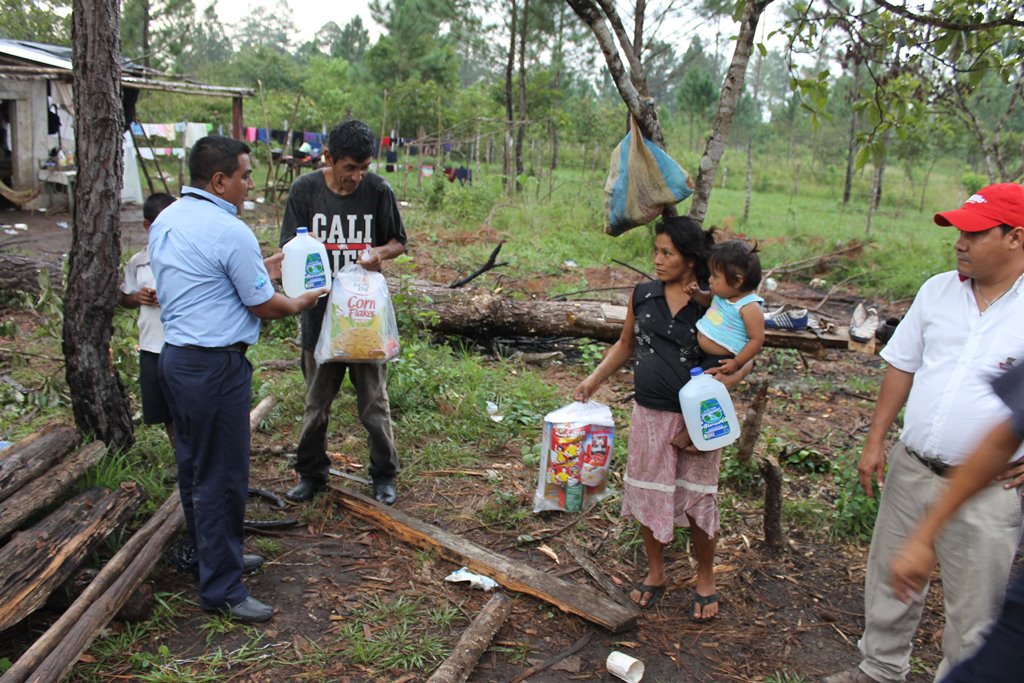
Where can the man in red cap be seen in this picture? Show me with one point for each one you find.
(964, 329)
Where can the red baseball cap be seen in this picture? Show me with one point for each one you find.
(1001, 204)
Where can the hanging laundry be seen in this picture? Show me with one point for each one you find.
(250, 134)
(193, 132)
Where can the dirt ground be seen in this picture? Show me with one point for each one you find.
(797, 612)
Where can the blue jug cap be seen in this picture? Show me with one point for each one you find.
(696, 371)
(301, 231)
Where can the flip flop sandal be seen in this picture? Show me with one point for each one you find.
(655, 593)
(702, 601)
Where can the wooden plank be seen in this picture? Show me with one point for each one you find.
(582, 601)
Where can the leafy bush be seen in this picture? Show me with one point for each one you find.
(972, 182)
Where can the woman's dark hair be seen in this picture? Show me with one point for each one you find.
(738, 262)
(214, 154)
(352, 139)
(690, 240)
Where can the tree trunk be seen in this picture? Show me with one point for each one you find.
(21, 274)
(851, 141)
(33, 455)
(521, 128)
(474, 641)
(640, 106)
(750, 139)
(40, 559)
(46, 488)
(774, 539)
(510, 183)
(877, 199)
(752, 422)
(97, 396)
(731, 89)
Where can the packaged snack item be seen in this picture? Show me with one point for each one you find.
(575, 456)
(359, 323)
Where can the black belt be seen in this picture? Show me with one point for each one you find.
(939, 467)
(237, 347)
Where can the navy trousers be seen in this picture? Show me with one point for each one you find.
(1001, 657)
(209, 393)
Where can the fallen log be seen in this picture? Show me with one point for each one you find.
(38, 560)
(22, 274)
(66, 652)
(33, 455)
(44, 490)
(476, 312)
(168, 515)
(580, 600)
(474, 641)
(260, 412)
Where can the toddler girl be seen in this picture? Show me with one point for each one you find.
(734, 323)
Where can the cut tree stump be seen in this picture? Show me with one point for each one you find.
(45, 489)
(582, 601)
(40, 559)
(774, 538)
(474, 641)
(164, 523)
(33, 455)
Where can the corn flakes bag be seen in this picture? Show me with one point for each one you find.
(359, 323)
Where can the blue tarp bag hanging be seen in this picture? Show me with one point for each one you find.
(642, 182)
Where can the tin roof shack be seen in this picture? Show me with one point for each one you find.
(37, 114)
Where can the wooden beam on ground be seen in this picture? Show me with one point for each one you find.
(39, 559)
(582, 601)
(33, 455)
(474, 641)
(588, 565)
(46, 489)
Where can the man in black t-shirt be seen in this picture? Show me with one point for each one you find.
(355, 214)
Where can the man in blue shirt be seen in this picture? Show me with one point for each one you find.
(214, 287)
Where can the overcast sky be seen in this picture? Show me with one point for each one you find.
(308, 16)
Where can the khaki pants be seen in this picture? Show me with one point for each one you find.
(975, 553)
(322, 384)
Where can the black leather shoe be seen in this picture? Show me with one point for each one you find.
(249, 611)
(384, 492)
(305, 490)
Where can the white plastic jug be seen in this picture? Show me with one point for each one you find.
(708, 412)
(305, 265)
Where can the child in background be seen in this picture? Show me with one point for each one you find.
(734, 323)
(138, 290)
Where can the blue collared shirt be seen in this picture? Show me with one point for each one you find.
(208, 270)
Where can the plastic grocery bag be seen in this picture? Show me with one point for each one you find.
(359, 323)
(575, 456)
(643, 182)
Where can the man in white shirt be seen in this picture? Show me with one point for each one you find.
(965, 328)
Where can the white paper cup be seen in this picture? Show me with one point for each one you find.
(623, 666)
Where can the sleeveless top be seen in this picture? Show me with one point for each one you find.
(724, 324)
(665, 348)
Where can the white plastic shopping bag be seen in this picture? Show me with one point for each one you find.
(575, 456)
(359, 323)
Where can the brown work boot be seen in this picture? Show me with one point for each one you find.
(850, 676)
